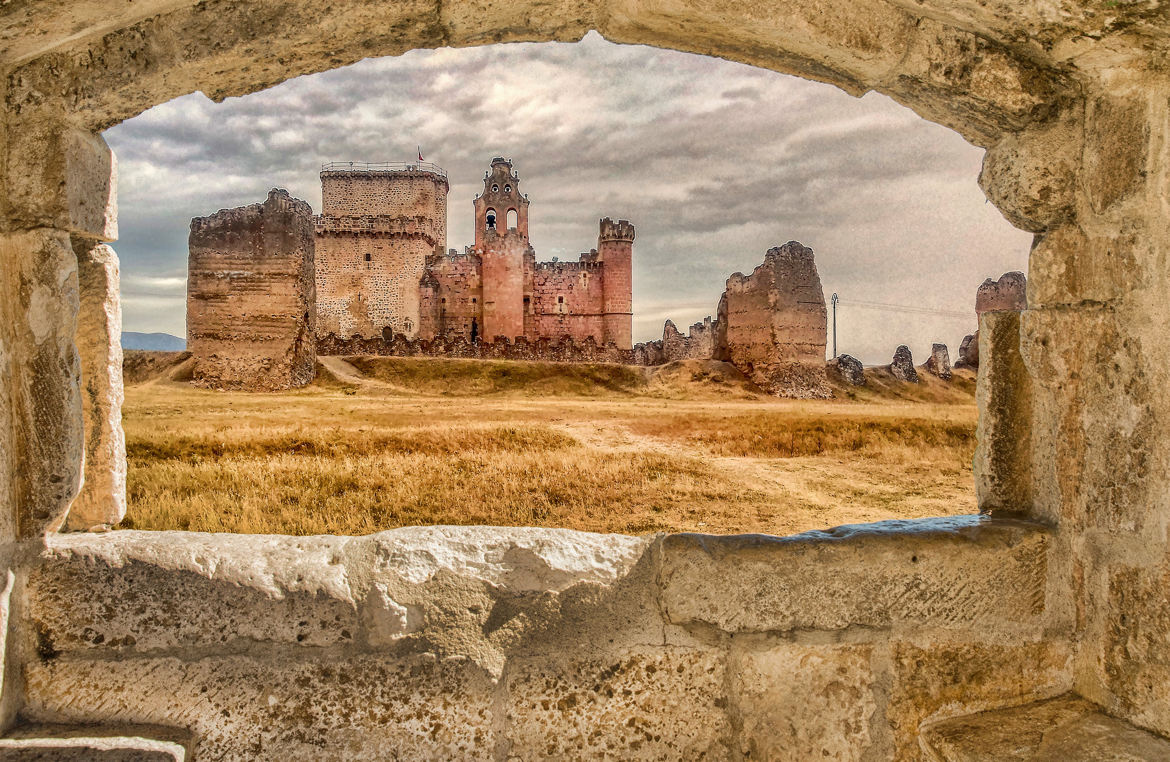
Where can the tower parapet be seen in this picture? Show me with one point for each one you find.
(621, 230)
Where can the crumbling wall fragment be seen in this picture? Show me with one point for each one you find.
(251, 314)
(939, 362)
(902, 366)
(772, 324)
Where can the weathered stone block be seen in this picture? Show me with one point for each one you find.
(1057, 730)
(850, 369)
(969, 351)
(1031, 176)
(63, 178)
(38, 272)
(902, 366)
(665, 703)
(1008, 293)
(944, 680)
(961, 573)
(1117, 136)
(1003, 458)
(335, 706)
(939, 362)
(804, 702)
(102, 500)
(479, 592)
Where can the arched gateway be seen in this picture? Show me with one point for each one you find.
(858, 644)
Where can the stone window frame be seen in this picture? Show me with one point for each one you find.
(1075, 154)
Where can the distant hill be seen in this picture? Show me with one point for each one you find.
(155, 342)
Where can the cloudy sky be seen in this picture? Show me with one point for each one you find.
(713, 162)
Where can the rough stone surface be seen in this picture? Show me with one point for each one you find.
(698, 344)
(902, 366)
(1057, 730)
(850, 369)
(947, 680)
(1009, 292)
(774, 686)
(771, 324)
(41, 302)
(102, 500)
(251, 296)
(939, 362)
(1002, 464)
(457, 642)
(969, 351)
(860, 576)
(630, 705)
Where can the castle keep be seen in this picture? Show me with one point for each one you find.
(378, 225)
(383, 268)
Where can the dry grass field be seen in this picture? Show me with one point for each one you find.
(377, 443)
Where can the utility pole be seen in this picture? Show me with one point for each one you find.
(833, 301)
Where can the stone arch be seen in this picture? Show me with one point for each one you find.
(1073, 108)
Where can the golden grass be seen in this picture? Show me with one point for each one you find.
(370, 454)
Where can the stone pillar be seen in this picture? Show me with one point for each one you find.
(1003, 455)
(61, 189)
(102, 501)
(1093, 343)
(56, 188)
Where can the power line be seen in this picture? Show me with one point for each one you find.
(908, 309)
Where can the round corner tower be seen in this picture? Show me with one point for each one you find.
(615, 249)
(378, 225)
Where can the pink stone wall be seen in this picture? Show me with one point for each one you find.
(566, 300)
(503, 284)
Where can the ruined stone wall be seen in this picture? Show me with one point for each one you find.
(452, 296)
(567, 300)
(456, 344)
(772, 323)
(250, 296)
(374, 236)
(683, 647)
(698, 344)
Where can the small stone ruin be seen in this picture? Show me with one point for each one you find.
(850, 369)
(939, 362)
(969, 352)
(902, 366)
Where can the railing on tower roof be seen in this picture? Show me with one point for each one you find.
(384, 166)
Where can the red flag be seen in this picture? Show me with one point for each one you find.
(420, 158)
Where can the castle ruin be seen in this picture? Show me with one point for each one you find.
(250, 296)
(383, 267)
(379, 224)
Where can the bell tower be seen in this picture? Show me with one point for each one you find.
(501, 207)
(501, 241)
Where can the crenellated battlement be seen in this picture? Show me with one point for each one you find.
(621, 230)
